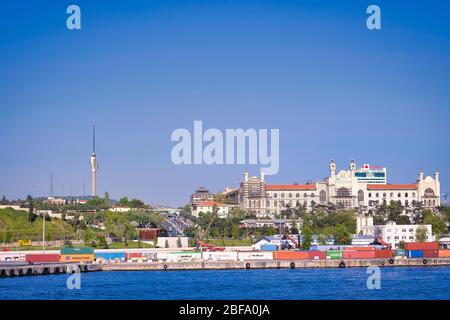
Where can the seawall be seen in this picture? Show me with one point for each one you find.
(273, 264)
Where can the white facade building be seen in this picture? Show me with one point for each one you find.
(394, 233)
(208, 206)
(362, 188)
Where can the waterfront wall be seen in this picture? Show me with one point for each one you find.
(274, 264)
(45, 269)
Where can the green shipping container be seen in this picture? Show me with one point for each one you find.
(334, 254)
(77, 250)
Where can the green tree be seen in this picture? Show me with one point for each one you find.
(123, 201)
(421, 234)
(401, 244)
(107, 200)
(307, 233)
(31, 216)
(437, 222)
(4, 201)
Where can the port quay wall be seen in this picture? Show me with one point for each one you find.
(61, 268)
(273, 264)
(20, 270)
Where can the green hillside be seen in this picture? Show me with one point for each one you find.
(14, 226)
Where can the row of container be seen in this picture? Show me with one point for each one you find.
(234, 256)
(86, 254)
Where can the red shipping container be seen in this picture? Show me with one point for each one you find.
(368, 254)
(430, 253)
(42, 258)
(359, 248)
(421, 246)
(149, 234)
(313, 255)
(132, 255)
(385, 254)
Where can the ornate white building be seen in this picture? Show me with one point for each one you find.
(362, 188)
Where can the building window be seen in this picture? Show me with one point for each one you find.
(275, 203)
(406, 194)
(290, 195)
(312, 195)
(322, 196)
(282, 196)
(399, 195)
(377, 195)
(391, 195)
(406, 203)
(275, 195)
(297, 195)
(361, 196)
(343, 192)
(370, 195)
(305, 195)
(384, 195)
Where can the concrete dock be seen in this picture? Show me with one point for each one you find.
(273, 264)
(46, 269)
(18, 270)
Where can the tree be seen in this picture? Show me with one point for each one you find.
(136, 203)
(421, 234)
(4, 201)
(401, 244)
(437, 222)
(123, 201)
(106, 199)
(31, 216)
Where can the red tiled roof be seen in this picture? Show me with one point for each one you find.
(209, 204)
(391, 186)
(290, 187)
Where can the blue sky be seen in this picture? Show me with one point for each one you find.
(140, 69)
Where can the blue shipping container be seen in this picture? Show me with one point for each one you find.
(110, 255)
(268, 247)
(414, 253)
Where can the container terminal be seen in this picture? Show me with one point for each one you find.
(16, 263)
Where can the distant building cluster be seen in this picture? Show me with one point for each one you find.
(355, 188)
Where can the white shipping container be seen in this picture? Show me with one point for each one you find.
(180, 257)
(12, 256)
(162, 255)
(259, 255)
(220, 256)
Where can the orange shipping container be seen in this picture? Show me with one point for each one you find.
(386, 254)
(359, 248)
(290, 255)
(77, 257)
(444, 253)
(421, 246)
(368, 254)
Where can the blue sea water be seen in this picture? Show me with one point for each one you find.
(285, 284)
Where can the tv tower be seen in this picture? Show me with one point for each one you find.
(94, 165)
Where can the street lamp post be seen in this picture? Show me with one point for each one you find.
(43, 233)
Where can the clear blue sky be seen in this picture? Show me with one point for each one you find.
(140, 69)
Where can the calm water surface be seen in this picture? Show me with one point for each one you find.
(396, 283)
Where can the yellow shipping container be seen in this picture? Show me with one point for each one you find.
(77, 258)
